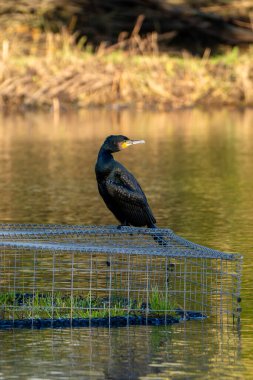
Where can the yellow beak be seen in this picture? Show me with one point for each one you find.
(127, 143)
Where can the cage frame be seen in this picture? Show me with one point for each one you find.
(143, 259)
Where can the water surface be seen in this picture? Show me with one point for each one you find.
(197, 171)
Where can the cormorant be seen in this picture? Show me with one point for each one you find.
(119, 189)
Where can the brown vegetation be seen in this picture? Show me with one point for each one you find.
(47, 61)
(55, 72)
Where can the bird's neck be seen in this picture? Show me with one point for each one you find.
(105, 155)
(104, 163)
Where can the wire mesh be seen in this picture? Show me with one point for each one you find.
(61, 271)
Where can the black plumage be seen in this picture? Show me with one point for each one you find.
(119, 189)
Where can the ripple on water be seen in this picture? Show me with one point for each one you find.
(197, 171)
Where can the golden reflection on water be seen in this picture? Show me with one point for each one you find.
(196, 169)
(193, 350)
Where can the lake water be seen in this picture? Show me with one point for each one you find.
(196, 169)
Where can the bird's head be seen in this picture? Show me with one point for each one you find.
(115, 143)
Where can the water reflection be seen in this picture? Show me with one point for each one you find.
(123, 353)
(195, 168)
(197, 171)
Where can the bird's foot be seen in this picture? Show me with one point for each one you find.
(123, 225)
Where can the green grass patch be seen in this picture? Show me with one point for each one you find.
(60, 305)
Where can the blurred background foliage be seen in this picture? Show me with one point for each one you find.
(185, 24)
(165, 54)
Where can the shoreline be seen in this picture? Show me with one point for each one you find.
(56, 74)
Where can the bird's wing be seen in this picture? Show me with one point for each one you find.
(128, 194)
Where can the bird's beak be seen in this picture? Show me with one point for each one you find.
(127, 143)
(138, 142)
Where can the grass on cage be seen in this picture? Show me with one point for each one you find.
(57, 305)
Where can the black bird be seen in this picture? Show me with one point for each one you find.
(119, 189)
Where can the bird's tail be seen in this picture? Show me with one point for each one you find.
(157, 237)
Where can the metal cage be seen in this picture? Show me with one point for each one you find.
(87, 272)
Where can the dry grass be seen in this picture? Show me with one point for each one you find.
(52, 71)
